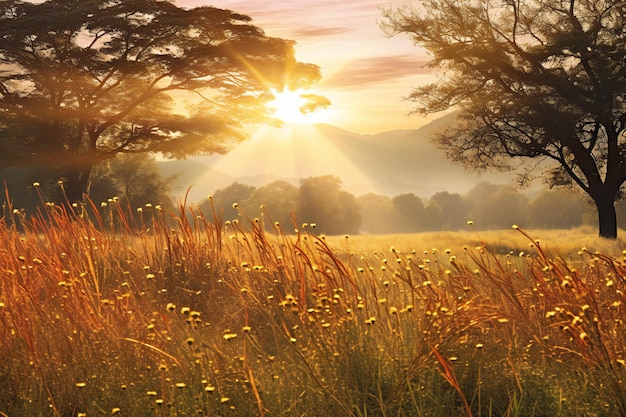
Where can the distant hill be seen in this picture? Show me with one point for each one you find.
(390, 163)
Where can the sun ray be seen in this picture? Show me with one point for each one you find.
(291, 152)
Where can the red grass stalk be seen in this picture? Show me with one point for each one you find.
(448, 374)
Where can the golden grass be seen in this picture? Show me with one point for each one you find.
(184, 315)
(566, 243)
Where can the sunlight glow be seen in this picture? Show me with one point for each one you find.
(293, 152)
(293, 107)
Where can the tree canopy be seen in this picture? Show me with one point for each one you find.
(531, 79)
(321, 201)
(134, 179)
(84, 80)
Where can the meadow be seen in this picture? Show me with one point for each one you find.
(102, 313)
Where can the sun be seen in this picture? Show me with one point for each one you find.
(298, 106)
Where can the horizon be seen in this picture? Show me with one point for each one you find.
(413, 165)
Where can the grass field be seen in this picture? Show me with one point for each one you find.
(178, 317)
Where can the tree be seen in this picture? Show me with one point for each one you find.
(410, 213)
(224, 200)
(279, 200)
(377, 213)
(84, 80)
(322, 201)
(558, 208)
(134, 179)
(496, 206)
(454, 210)
(530, 79)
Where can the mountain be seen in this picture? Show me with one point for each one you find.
(389, 163)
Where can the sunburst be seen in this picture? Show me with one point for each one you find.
(298, 107)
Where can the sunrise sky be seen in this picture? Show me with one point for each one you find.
(366, 75)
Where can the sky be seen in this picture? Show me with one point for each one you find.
(366, 74)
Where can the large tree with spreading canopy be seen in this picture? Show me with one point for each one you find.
(542, 79)
(84, 80)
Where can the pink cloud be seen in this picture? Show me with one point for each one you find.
(377, 70)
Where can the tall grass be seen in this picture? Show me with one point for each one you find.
(104, 314)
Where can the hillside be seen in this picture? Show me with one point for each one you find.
(390, 163)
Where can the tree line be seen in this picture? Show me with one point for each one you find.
(319, 201)
(134, 181)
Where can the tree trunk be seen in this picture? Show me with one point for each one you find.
(607, 218)
(76, 180)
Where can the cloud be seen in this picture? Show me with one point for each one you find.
(316, 31)
(313, 18)
(377, 70)
(304, 10)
